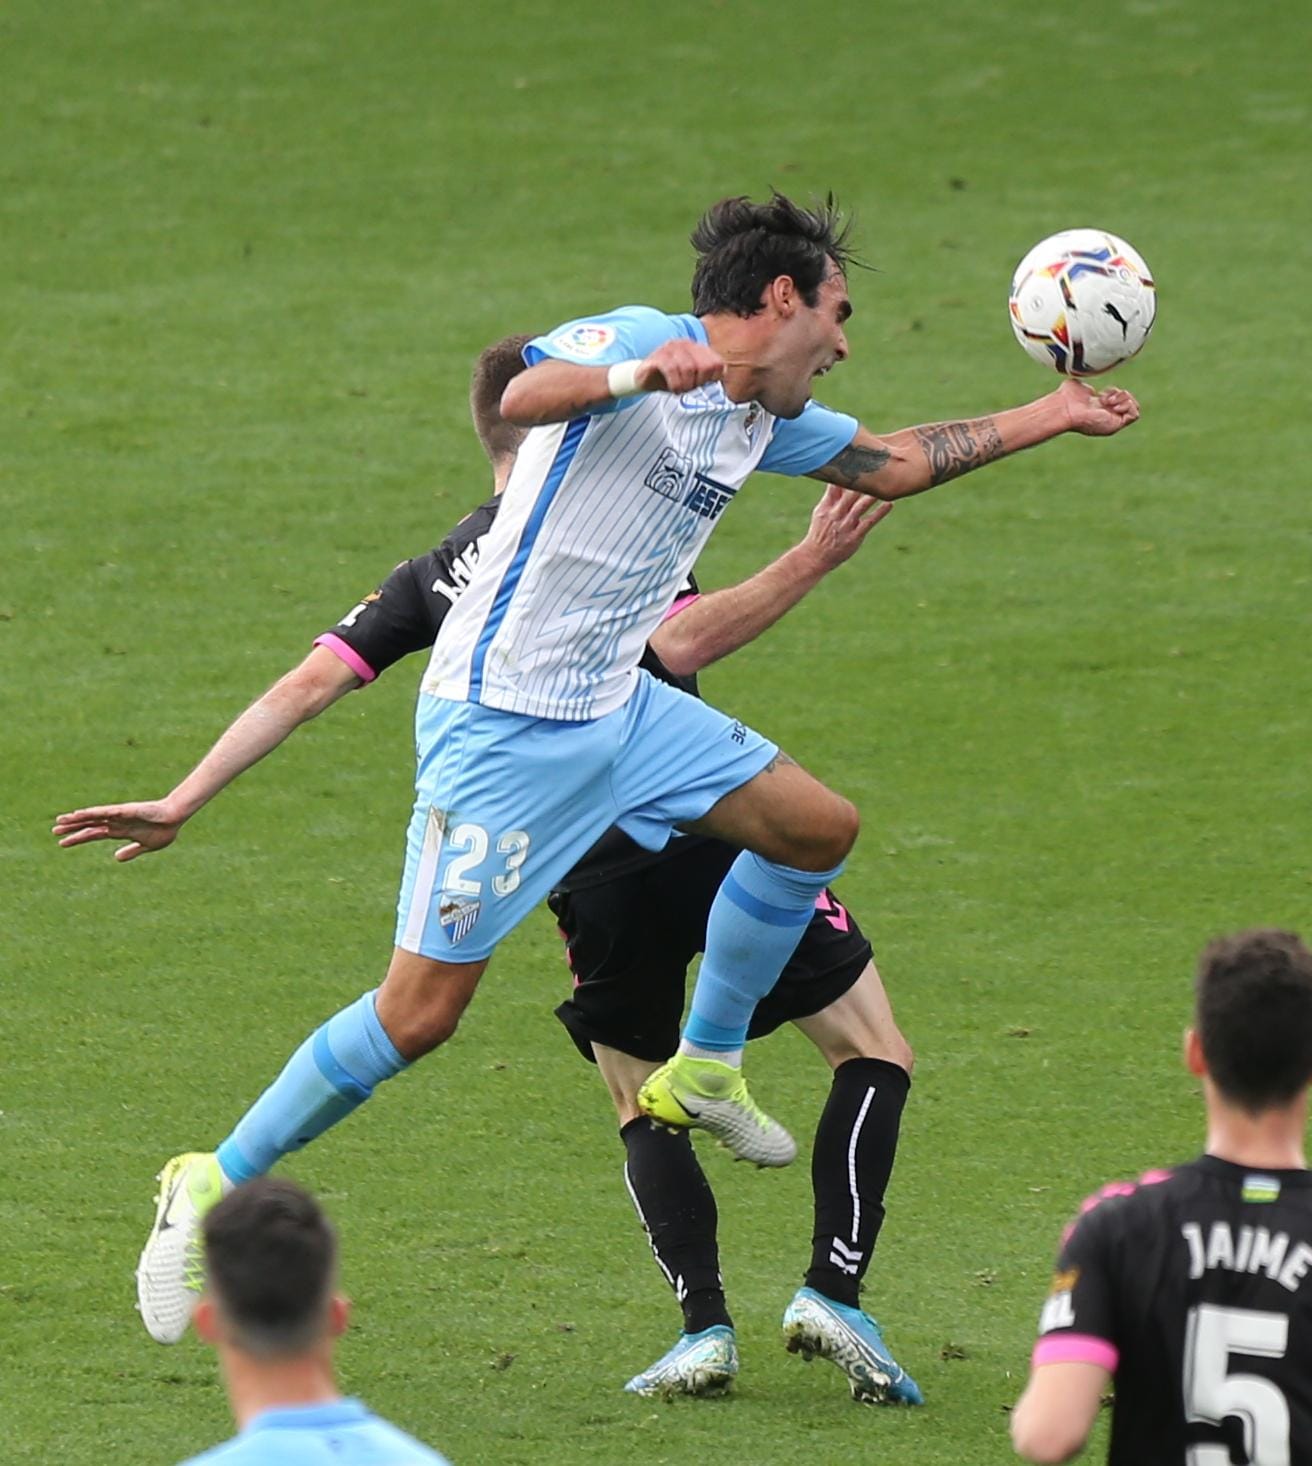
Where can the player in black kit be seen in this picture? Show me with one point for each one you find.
(1191, 1288)
(632, 920)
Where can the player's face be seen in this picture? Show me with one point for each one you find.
(810, 339)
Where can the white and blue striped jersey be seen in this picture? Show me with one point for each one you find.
(600, 524)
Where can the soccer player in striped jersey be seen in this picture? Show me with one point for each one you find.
(633, 919)
(537, 731)
(1190, 1291)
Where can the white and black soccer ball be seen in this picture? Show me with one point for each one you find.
(1082, 302)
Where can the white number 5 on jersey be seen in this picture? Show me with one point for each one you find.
(1212, 1392)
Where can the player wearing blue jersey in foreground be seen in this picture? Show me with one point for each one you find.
(272, 1311)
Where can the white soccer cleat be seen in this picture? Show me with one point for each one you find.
(688, 1092)
(171, 1271)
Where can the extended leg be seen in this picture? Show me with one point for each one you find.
(332, 1073)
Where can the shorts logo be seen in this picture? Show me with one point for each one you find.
(589, 339)
(833, 911)
(457, 914)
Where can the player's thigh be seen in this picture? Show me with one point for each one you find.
(504, 806)
(859, 1024)
(786, 815)
(678, 759)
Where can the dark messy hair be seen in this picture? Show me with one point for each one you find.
(493, 371)
(741, 247)
(270, 1264)
(1253, 1014)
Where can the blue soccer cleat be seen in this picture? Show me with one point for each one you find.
(699, 1364)
(816, 1325)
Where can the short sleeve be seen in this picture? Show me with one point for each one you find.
(1077, 1323)
(800, 445)
(620, 335)
(806, 443)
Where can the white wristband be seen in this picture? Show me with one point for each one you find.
(622, 378)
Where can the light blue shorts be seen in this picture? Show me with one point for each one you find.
(506, 804)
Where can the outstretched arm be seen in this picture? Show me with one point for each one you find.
(302, 694)
(896, 465)
(720, 622)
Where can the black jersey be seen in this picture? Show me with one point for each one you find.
(405, 614)
(1192, 1285)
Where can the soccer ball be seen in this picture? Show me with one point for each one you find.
(1082, 302)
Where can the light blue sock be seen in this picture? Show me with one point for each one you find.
(332, 1073)
(755, 924)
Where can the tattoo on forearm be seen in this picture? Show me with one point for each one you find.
(847, 467)
(778, 761)
(954, 448)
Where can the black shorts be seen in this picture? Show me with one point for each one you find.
(629, 943)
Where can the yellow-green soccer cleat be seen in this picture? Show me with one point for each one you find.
(171, 1274)
(712, 1096)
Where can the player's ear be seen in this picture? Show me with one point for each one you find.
(1193, 1053)
(781, 293)
(339, 1315)
(205, 1319)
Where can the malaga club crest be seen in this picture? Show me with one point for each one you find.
(457, 913)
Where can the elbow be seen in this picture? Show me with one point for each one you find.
(682, 653)
(518, 406)
(1044, 1441)
(307, 691)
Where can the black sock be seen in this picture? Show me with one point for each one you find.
(855, 1143)
(675, 1204)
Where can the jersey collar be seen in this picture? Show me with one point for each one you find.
(308, 1417)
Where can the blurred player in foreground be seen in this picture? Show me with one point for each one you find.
(633, 919)
(1190, 1291)
(272, 1311)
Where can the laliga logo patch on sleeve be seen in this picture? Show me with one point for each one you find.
(589, 339)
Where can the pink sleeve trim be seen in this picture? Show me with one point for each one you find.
(681, 604)
(348, 654)
(1076, 1349)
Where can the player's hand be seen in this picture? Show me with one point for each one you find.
(679, 366)
(149, 826)
(1097, 414)
(840, 522)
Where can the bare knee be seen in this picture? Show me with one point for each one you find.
(859, 1024)
(829, 837)
(421, 1002)
(900, 1054)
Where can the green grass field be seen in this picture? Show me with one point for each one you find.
(249, 253)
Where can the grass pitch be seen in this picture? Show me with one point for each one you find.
(250, 253)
